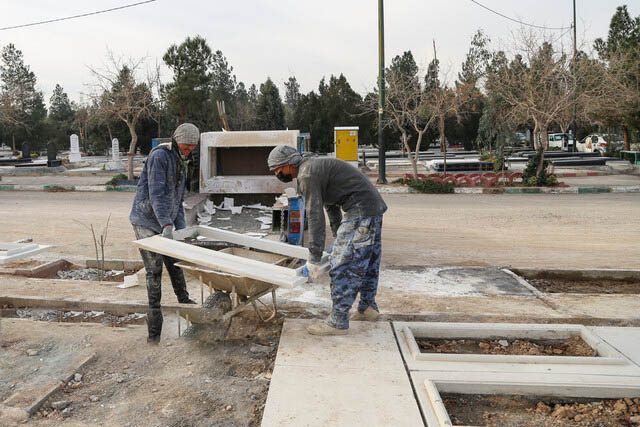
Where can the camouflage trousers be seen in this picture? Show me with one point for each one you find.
(153, 266)
(355, 267)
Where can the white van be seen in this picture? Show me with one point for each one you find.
(562, 141)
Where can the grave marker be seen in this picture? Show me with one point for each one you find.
(74, 155)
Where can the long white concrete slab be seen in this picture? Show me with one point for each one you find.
(357, 379)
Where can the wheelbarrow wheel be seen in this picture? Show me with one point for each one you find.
(212, 327)
(218, 301)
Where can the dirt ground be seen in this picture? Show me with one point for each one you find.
(181, 382)
(574, 346)
(531, 411)
(563, 231)
(186, 382)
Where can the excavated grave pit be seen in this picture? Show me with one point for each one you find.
(112, 271)
(537, 411)
(572, 346)
(594, 286)
(71, 316)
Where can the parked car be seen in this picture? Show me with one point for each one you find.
(593, 143)
(562, 141)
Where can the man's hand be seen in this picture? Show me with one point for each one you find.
(312, 271)
(167, 231)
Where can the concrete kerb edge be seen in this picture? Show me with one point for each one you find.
(382, 190)
(522, 190)
(62, 381)
(68, 188)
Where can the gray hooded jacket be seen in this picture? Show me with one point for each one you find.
(340, 187)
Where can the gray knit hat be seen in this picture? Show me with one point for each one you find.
(283, 155)
(187, 133)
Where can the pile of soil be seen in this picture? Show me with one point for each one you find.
(574, 346)
(586, 286)
(532, 411)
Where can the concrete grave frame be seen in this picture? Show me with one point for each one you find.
(428, 388)
(407, 332)
(11, 251)
(211, 181)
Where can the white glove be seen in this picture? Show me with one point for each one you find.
(312, 271)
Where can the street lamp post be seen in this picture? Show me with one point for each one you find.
(381, 154)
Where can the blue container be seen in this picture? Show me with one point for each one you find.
(296, 220)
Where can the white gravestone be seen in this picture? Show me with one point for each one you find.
(115, 150)
(74, 156)
(115, 163)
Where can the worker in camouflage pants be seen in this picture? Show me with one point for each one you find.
(335, 186)
(355, 259)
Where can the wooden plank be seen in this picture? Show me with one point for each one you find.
(281, 276)
(254, 242)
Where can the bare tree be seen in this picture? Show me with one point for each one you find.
(537, 86)
(406, 111)
(119, 92)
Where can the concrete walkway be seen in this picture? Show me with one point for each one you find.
(353, 380)
(360, 379)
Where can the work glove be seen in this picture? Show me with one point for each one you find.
(167, 231)
(311, 271)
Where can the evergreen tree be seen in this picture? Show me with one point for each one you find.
(22, 109)
(269, 108)
(188, 95)
(61, 117)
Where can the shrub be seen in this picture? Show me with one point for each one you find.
(116, 179)
(431, 186)
(531, 169)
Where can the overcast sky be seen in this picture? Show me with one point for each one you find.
(278, 38)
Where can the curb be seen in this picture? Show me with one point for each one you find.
(55, 188)
(522, 190)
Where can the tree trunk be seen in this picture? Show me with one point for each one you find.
(412, 159)
(625, 134)
(443, 141)
(544, 143)
(132, 149)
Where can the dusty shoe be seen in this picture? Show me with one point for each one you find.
(323, 328)
(369, 315)
(187, 301)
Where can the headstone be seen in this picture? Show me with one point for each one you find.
(74, 155)
(26, 151)
(52, 155)
(115, 150)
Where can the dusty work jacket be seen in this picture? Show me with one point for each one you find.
(160, 191)
(340, 187)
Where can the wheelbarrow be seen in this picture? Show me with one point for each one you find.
(229, 293)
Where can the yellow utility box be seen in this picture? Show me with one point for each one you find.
(346, 143)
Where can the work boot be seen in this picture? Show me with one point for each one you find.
(323, 328)
(369, 315)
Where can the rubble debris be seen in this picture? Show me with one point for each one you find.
(573, 346)
(532, 411)
(89, 274)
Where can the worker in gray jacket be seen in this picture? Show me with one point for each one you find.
(335, 185)
(157, 209)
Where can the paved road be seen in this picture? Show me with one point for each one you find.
(587, 230)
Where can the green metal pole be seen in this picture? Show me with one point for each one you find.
(382, 179)
(575, 82)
